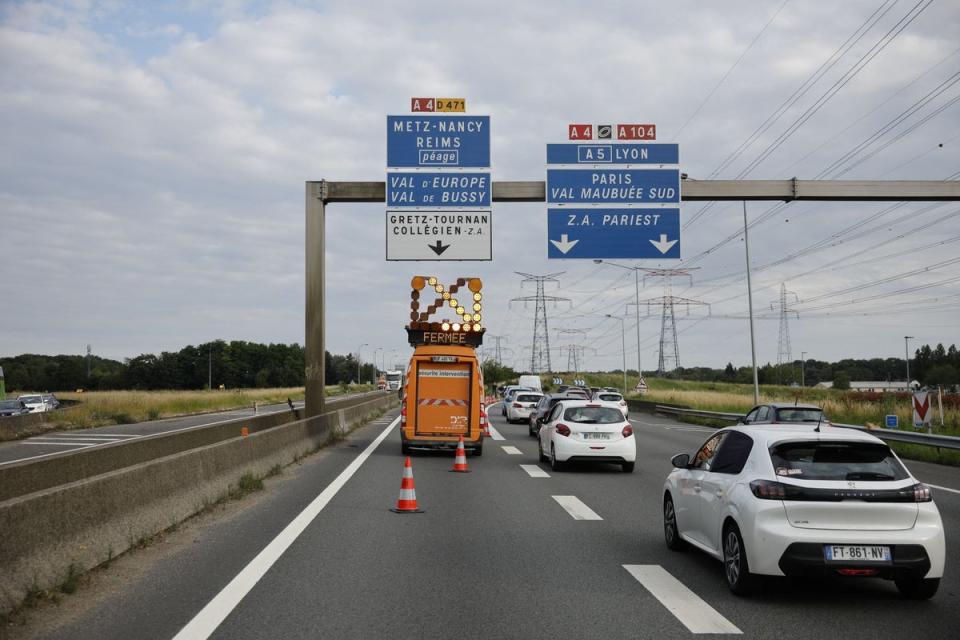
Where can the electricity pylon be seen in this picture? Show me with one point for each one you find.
(540, 351)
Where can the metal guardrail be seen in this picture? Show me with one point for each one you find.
(888, 435)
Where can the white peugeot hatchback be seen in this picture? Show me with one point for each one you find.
(581, 430)
(804, 500)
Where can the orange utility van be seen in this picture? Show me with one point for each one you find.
(443, 392)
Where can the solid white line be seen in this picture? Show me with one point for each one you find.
(216, 611)
(512, 450)
(73, 443)
(933, 486)
(92, 440)
(494, 433)
(92, 434)
(534, 471)
(695, 614)
(576, 508)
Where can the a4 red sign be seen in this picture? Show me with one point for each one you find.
(609, 132)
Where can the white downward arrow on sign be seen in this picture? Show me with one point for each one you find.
(565, 245)
(662, 244)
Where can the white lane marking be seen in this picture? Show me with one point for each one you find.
(576, 508)
(74, 444)
(695, 614)
(934, 486)
(494, 433)
(534, 471)
(89, 439)
(216, 611)
(511, 450)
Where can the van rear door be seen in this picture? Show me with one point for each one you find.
(444, 398)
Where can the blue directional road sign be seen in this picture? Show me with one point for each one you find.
(613, 233)
(435, 189)
(438, 141)
(610, 186)
(620, 153)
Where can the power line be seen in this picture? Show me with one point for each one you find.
(540, 350)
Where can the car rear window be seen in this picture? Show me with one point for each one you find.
(593, 415)
(610, 397)
(799, 414)
(528, 398)
(831, 460)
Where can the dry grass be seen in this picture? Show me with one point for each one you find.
(99, 408)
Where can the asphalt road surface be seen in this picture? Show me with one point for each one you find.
(510, 550)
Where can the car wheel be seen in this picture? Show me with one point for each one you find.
(735, 565)
(917, 589)
(543, 458)
(555, 464)
(627, 466)
(671, 533)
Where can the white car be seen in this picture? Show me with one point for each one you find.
(508, 395)
(804, 500)
(522, 406)
(613, 398)
(36, 403)
(581, 430)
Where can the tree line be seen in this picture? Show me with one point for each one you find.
(235, 364)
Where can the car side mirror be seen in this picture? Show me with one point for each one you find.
(681, 460)
(741, 421)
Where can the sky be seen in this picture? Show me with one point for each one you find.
(154, 158)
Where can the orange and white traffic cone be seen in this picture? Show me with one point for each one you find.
(460, 462)
(407, 502)
(483, 422)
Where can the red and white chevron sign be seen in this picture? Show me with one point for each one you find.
(921, 409)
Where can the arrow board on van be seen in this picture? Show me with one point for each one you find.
(439, 235)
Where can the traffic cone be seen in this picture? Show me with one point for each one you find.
(460, 462)
(407, 502)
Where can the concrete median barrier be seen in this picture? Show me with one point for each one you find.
(26, 477)
(84, 522)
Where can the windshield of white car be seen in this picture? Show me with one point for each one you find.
(610, 397)
(800, 414)
(830, 460)
(593, 415)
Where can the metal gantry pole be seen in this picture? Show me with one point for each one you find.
(803, 365)
(753, 342)
(623, 348)
(636, 300)
(906, 356)
(315, 337)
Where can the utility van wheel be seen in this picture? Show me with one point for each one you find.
(735, 565)
(671, 533)
(917, 589)
(479, 450)
(404, 448)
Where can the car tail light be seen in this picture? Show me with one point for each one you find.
(921, 493)
(627, 431)
(858, 572)
(517, 405)
(563, 429)
(768, 490)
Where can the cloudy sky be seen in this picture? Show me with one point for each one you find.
(154, 156)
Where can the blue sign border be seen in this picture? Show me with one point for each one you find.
(424, 192)
(613, 186)
(613, 153)
(631, 238)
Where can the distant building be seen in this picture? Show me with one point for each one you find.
(873, 386)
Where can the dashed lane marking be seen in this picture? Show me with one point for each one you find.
(534, 471)
(511, 450)
(494, 433)
(576, 508)
(695, 614)
(217, 610)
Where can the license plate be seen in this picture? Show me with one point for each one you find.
(856, 553)
(596, 436)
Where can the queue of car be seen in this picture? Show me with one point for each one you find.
(782, 493)
(32, 403)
